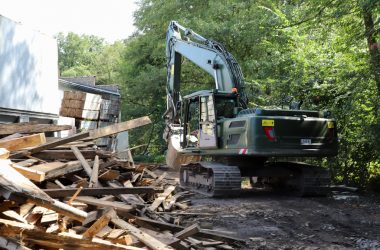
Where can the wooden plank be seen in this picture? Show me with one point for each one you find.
(69, 155)
(14, 216)
(60, 193)
(115, 233)
(118, 206)
(158, 201)
(49, 166)
(31, 234)
(94, 173)
(132, 199)
(15, 186)
(27, 163)
(189, 231)
(99, 223)
(31, 174)
(80, 157)
(4, 153)
(145, 238)
(30, 128)
(53, 144)
(119, 127)
(109, 175)
(23, 142)
(71, 167)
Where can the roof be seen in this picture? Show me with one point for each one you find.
(95, 89)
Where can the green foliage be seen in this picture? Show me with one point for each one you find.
(83, 55)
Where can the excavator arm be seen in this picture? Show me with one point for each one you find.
(209, 55)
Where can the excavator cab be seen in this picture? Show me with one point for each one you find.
(203, 111)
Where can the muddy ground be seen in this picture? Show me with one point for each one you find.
(268, 220)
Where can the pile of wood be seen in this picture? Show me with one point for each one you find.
(61, 193)
(80, 105)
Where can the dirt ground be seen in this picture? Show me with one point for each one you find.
(273, 221)
(267, 220)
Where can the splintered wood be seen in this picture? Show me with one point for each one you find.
(62, 194)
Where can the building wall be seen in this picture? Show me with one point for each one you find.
(28, 69)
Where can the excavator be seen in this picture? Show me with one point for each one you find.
(215, 139)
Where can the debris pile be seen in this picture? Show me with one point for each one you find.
(63, 193)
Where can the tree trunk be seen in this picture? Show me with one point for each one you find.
(373, 46)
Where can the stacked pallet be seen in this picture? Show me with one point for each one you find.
(109, 108)
(63, 194)
(80, 105)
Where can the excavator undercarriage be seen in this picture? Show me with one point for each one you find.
(218, 180)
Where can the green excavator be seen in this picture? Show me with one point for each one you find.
(215, 139)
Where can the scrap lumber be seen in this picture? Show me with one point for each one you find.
(31, 174)
(62, 240)
(48, 166)
(12, 136)
(30, 128)
(158, 201)
(118, 206)
(145, 238)
(202, 233)
(109, 175)
(70, 167)
(132, 199)
(189, 231)
(15, 185)
(60, 193)
(99, 223)
(23, 142)
(94, 173)
(119, 127)
(83, 161)
(4, 153)
(53, 144)
(27, 163)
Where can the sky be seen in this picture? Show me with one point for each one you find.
(110, 19)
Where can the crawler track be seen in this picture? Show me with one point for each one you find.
(211, 179)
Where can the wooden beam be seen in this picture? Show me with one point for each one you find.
(53, 144)
(119, 127)
(94, 173)
(80, 157)
(23, 142)
(145, 238)
(30, 128)
(118, 206)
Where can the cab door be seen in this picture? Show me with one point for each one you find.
(207, 123)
